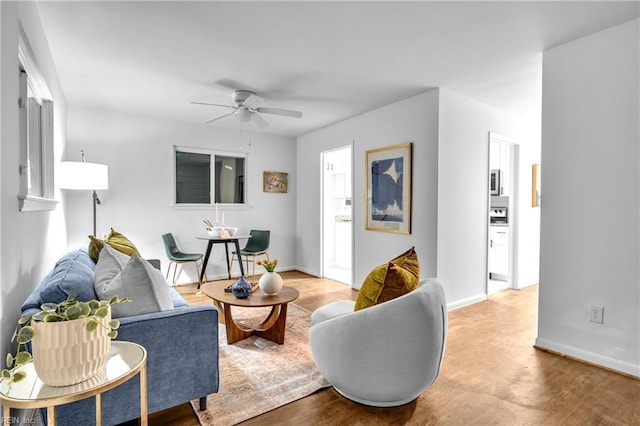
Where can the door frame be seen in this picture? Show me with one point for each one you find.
(349, 145)
(513, 206)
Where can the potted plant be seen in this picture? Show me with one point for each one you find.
(77, 332)
(270, 282)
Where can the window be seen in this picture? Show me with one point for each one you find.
(208, 177)
(36, 190)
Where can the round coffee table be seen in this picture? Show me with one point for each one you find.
(272, 328)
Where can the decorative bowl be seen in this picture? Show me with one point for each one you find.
(215, 231)
(231, 230)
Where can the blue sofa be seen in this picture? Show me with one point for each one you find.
(181, 344)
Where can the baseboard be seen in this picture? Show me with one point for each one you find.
(307, 271)
(465, 302)
(523, 286)
(587, 357)
(235, 274)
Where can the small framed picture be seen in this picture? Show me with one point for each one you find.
(276, 182)
(388, 194)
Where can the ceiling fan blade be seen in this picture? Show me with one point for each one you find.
(278, 111)
(218, 117)
(253, 101)
(260, 122)
(210, 104)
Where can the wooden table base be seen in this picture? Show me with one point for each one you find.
(272, 328)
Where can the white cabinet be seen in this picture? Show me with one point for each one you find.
(338, 165)
(341, 185)
(500, 159)
(338, 185)
(499, 252)
(343, 244)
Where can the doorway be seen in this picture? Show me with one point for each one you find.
(337, 232)
(503, 213)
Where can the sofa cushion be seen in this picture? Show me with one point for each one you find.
(390, 280)
(138, 280)
(116, 240)
(73, 273)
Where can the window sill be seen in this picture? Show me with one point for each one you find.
(29, 203)
(210, 207)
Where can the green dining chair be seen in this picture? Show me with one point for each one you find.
(176, 257)
(257, 245)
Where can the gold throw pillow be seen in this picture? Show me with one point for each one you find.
(116, 240)
(393, 279)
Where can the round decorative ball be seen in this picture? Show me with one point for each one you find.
(241, 288)
(270, 283)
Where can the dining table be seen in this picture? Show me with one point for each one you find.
(235, 240)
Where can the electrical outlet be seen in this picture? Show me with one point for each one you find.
(596, 314)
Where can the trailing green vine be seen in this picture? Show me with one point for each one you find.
(68, 310)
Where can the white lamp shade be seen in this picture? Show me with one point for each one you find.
(86, 176)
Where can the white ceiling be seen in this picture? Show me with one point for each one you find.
(332, 60)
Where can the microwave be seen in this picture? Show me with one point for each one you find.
(495, 182)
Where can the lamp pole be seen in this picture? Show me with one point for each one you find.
(96, 200)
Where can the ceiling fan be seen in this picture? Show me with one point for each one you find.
(246, 108)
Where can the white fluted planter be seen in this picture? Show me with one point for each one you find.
(270, 283)
(65, 353)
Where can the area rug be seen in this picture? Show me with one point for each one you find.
(257, 375)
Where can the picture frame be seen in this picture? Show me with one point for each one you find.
(388, 186)
(536, 171)
(276, 182)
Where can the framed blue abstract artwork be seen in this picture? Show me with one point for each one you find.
(388, 179)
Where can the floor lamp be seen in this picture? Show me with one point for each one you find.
(84, 176)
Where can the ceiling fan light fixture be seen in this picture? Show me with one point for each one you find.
(243, 115)
(247, 110)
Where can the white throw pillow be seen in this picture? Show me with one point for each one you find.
(139, 281)
(110, 263)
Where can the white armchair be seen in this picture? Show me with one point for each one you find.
(385, 355)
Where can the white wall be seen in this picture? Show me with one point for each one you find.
(463, 199)
(30, 242)
(528, 266)
(138, 203)
(411, 120)
(450, 188)
(590, 199)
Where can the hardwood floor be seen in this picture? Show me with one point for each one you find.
(491, 375)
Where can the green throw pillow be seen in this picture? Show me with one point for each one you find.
(390, 280)
(116, 240)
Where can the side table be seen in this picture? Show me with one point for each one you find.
(125, 360)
